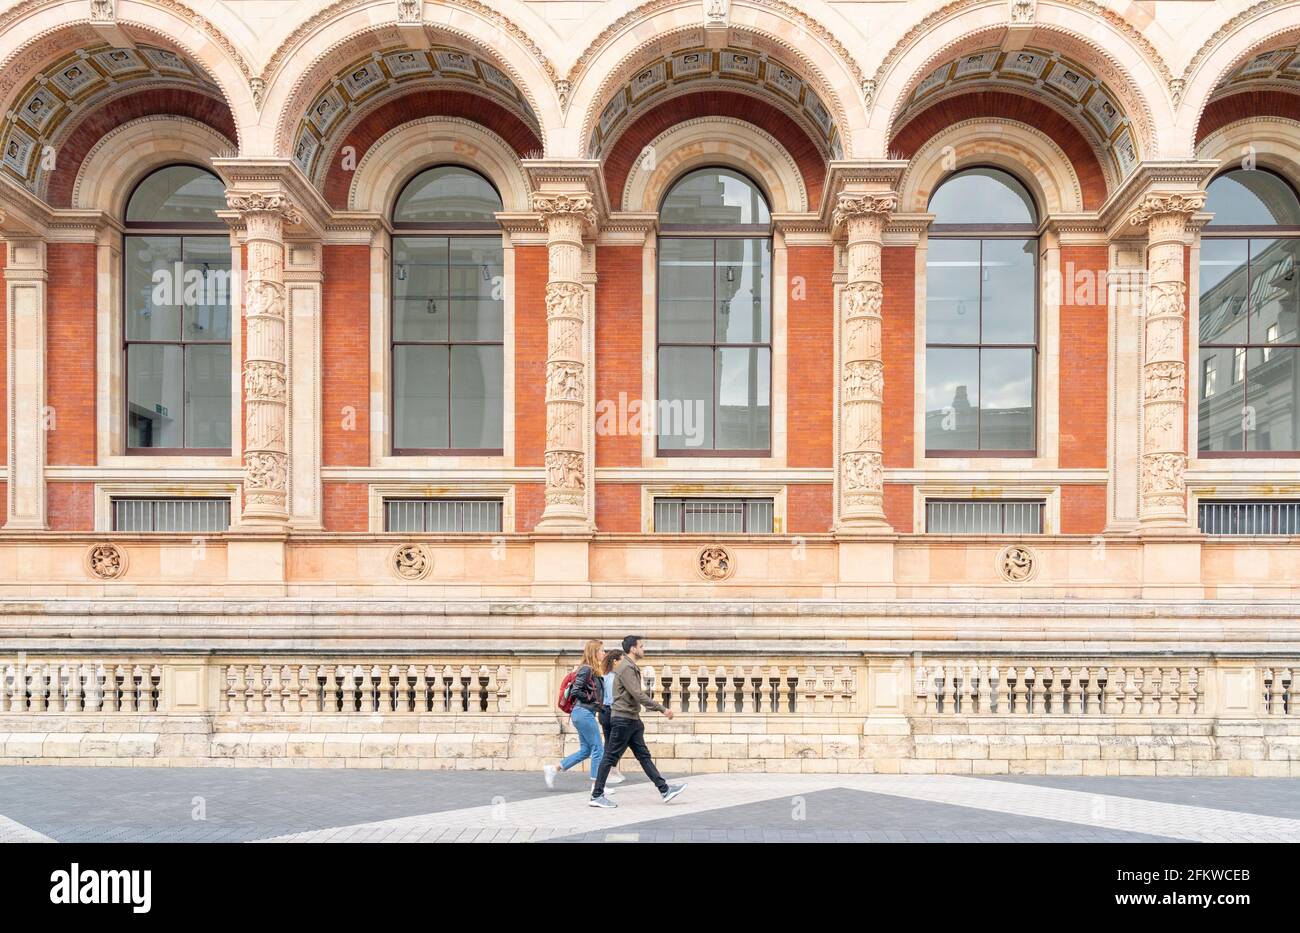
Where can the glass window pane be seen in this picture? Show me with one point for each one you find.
(207, 288)
(420, 288)
(1007, 399)
(982, 196)
(714, 197)
(1273, 417)
(207, 395)
(952, 291)
(1219, 419)
(447, 194)
(153, 296)
(744, 390)
(177, 194)
(685, 290)
(420, 405)
(713, 516)
(477, 380)
(743, 288)
(154, 396)
(1224, 281)
(476, 282)
(1274, 290)
(951, 399)
(668, 515)
(1010, 284)
(1251, 198)
(684, 414)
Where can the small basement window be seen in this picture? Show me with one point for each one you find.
(184, 514)
(442, 516)
(984, 516)
(713, 516)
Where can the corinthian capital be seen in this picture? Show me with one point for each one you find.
(1156, 205)
(566, 206)
(849, 206)
(256, 202)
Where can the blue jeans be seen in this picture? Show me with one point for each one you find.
(584, 720)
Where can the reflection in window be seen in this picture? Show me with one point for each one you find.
(1249, 306)
(981, 317)
(715, 316)
(448, 315)
(176, 305)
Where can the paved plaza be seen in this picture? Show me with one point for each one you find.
(58, 804)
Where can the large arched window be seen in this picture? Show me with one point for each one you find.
(448, 315)
(177, 314)
(1250, 301)
(981, 317)
(714, 317)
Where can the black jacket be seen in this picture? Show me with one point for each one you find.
(586, 682)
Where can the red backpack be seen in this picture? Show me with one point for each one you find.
(566, 699)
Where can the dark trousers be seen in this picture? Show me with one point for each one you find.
(603, 715)
(625, 734)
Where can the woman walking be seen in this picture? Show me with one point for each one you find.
(607, 678)
(586, 693)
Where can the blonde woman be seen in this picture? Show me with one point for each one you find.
(586, 693)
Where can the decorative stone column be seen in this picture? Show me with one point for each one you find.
(861, 476)
(567, 217)
(266, 457)
(1163, 499)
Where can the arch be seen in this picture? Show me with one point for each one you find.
(121, 158)
(724, 141)
(1017, 133)
(40, 31)
(704, 109)
(1272, 141)
(1119, 61)
(403, 152)
(796, 40)
(349, 31)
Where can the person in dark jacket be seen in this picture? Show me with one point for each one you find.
(588, 691)
(607, 665)
(626, 729)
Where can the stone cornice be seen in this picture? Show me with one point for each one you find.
(283, 177)
(876, 175)
(1184, 175)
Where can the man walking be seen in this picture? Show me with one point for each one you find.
(625, 727)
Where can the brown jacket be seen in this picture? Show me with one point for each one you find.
(628, 695)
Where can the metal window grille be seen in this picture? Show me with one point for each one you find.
(413, 516)
(1249, 517)
(984, 517)
(189, 514)
(714, 516)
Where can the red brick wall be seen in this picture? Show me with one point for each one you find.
(898, 507)
(809, 507)
(530, 500)
(1083, 415)
(530, 355)
(1083, 510)
(345, 506)
(810, 371)
(70, 353)
(4, 350)
(424, 103)
(618, 507)
(939, 116)
(618, 352)
(345, 352)
(70, 506)
(210, 111)
(1244, 105)
(628, 147)
(898, 347)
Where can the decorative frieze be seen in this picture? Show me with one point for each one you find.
(266, 455)
(862, 217)
(1163, 492)
(567, 217)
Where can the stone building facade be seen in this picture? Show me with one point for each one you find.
(358, 370)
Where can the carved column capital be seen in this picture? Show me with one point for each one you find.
(566, 208)
(1157, 205)
(869, 206)
(254, 204)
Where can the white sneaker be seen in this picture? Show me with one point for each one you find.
(603, 802)
(548, 773)
(615, 777)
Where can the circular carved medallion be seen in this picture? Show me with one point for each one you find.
(106, 561)
(1017, 563)
(715, 563)
(411, 561)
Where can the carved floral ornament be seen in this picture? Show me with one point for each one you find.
(579, 206)
(1156, 205)
(849, 206)
(715, 563)
(1017, 563)
(106, 561)
(411, 562)
(255, 202)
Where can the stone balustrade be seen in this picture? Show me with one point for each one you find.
(79, 685)
(754, 688)
(365, 687)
